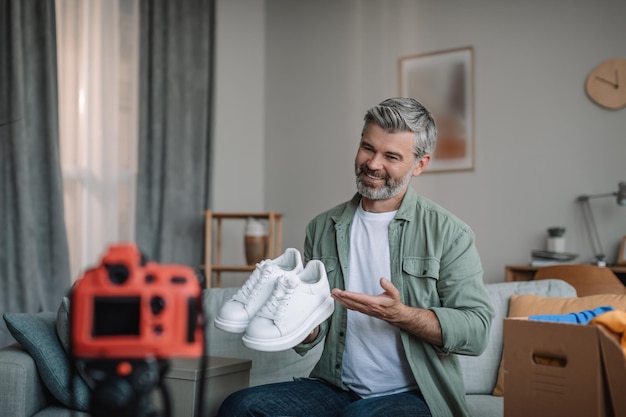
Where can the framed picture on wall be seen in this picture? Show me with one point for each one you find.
(621, 255)
(443, 81)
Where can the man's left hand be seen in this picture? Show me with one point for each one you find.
(388, 306)
(385, 306)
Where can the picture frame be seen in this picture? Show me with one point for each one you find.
(443, 81)
(621, 255)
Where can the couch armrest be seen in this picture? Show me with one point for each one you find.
(22, 393)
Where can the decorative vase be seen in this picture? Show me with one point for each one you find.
(255, 241)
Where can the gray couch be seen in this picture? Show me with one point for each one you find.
(22, 393)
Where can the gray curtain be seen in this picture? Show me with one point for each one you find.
(175, 78)
(34, 259)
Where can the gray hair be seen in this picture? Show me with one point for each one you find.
(401, 114)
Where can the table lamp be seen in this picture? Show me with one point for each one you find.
(591, 224)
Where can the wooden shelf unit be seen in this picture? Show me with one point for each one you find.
(213, 259)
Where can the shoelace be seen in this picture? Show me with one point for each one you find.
(275, 306)
(248, 290)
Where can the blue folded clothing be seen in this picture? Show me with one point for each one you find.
(582, 317)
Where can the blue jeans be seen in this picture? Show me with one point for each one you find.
(311, 398)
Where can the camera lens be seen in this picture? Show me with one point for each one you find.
(118, 273)
(157, 304)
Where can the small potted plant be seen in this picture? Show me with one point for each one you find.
(556, 239)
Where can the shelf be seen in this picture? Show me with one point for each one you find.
(213, 255)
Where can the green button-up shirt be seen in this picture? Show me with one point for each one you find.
(434, 265)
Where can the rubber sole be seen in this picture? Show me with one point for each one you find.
(321, 313)
(231, 326)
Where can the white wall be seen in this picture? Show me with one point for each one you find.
(239, 129)
(540, 142)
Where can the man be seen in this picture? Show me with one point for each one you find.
(407, 279)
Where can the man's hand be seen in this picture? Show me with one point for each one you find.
(388, 306)
(385, 306)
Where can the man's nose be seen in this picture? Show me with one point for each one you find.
(375, 163)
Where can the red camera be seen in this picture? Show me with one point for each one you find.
(129, 308)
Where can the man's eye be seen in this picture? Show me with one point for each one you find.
(392, 157)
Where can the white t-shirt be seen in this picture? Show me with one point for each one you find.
(374, 362)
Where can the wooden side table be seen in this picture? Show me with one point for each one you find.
(519, 272)
(527, 272)
(223, 376)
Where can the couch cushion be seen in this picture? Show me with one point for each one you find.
(530, 305)
(485, 405)
(36, 333)
(21, 390)
(480, 373)
(267, 367)
(63, 324)
(63, 333)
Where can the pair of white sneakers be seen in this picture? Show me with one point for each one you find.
(280, 304)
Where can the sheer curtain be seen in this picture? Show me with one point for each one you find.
(99, 95)
(98, 65)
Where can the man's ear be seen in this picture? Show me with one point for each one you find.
(421, 165)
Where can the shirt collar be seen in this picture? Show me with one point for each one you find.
(405, 211)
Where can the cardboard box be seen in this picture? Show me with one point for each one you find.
(558, 369)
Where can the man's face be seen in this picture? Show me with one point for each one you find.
(385, 163)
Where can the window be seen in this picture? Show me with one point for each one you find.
(97, 59)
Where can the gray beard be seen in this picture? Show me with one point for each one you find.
(389, 190)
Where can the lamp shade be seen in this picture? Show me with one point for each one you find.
(591, 224)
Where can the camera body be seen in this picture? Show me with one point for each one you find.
(127, 308)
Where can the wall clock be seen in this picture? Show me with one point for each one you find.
(606, 84)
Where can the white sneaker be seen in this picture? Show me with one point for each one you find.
(237, 312)
(297, 305)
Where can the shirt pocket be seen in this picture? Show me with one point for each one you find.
(421, 267)
(421, 276)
